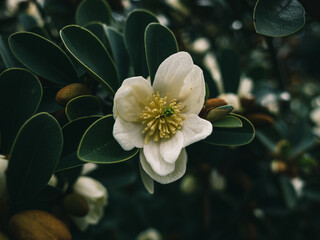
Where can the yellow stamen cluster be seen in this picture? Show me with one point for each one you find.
(162, 119)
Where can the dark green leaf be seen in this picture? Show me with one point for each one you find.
(91, 54)
(232, 136)
(99, 146)
(160, 43)
(93, 11)
(218, 113)
(120, 53)
(20, 96)
(135, 26)
(5, 53)
(34, 156)
(82, 106)
(289, 193)
(278, 18)
(72, 134)
(99, 30)
(230, 70)
(43, 57)
(228, 122)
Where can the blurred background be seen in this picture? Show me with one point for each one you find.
(268, 189)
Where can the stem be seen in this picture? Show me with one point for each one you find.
(276, 65)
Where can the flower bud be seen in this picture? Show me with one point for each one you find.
(37, 225)
(283, 148)
(71, 91)
(214, 103)
(260, 120)
(278, 166)
(76, 205)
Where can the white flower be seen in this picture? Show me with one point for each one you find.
(298, 185)
(96, 195)
(3, 168)
(149, 234)
(162, 119)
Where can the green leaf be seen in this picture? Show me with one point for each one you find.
(34, 156)
(72, 134)
(218, 113)
(20, 96)
(160, 43)
(99, 146)
(99, 30)
(120, 53)
(43, 57)
(91, 54)
(135, 26)
(278, 18)
(230, 70)
(289, 193)
(5, 53)
(233, 136)
(82, 106)
(93, 11)
(228, 122)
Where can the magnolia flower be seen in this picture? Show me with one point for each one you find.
(162, 119)
(96, 195)
(149, 234)
(3, 168)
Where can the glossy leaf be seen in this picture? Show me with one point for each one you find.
(82, 106)
(99, 30)
(43, 57)
(278, 18)
(99, 146)
(218, 113)
(135, 26)
(120, 53)
(230, 70)
(93, 11)
(72, 134)
(160, 43)
(6, 55)
(91, 54)
(34, 156)
(232, 136)
(228, 122)
(20, 96)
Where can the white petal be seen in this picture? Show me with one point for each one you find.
(151, 152)
(195, 129)
(170, 76)
(128, 134)
(193, 92)
(90, 188)
(179, 169)
(131, 97)
(171, 148)
(147, 180)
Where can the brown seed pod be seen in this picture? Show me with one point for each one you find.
(76, 205)
(71, 91)
(260, 120)
(37, 225)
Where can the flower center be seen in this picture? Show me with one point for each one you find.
(162, 119)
